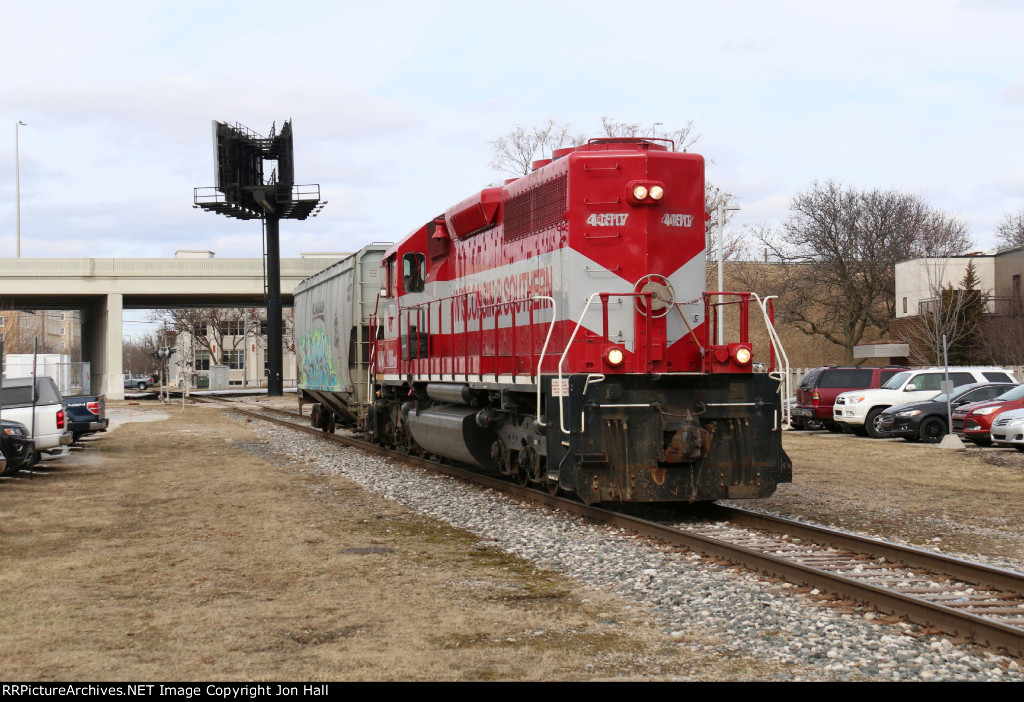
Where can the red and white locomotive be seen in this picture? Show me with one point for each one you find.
(555, 329)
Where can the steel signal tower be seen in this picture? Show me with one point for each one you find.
(243, 190)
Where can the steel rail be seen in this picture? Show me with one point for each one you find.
(967, 571)
(991, 634)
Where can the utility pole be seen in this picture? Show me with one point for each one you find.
(17, 182)
(722, 208)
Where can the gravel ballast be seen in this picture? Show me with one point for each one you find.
(697, 603)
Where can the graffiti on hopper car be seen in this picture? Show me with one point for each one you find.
(318, 371)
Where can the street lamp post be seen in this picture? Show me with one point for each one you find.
(17, 183)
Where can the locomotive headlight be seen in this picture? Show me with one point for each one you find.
(742, 355)
(640, 192)
(614, 356)
(657, 192)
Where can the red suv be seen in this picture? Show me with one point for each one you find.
(974, 421)
(819, 388)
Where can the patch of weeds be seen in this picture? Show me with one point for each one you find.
(312, 637)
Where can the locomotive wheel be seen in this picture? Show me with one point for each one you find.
(553, 487)
(331, 424)
(387, 437)
(525, 466)
(413, 448)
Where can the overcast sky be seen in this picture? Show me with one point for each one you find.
(394, 105)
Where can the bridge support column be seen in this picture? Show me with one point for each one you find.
(101, 340)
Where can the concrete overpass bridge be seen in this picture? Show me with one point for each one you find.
(102, 288)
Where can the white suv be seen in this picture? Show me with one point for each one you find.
(861, 409)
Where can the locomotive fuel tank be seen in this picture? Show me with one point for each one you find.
(452, 431)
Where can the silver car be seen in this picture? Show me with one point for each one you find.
(1008, 429)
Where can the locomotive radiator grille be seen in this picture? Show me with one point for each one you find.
(535, 210)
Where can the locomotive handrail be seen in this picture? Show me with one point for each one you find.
(568, 345)
(544, 349)
(776, 342)
(484, 311)
(743, 302)
(464, 298)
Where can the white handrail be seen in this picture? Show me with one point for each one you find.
(568, 345)
(773, 337)
(540, 361)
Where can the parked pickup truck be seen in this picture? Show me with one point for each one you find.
(87, 414)
(49, 425)
(138, 382)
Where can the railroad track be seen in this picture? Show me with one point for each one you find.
(969, 600)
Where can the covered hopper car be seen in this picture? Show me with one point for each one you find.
(556, 329)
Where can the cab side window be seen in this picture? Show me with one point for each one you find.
(387, 288)
(414, 269)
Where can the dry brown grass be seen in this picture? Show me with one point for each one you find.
(185, 550)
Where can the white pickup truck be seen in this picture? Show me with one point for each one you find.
(49, 424)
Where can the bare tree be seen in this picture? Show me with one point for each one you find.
(1003, 336)
(735, 244)
(138, 353)
(220, 334)
(1011, 230)
(1002, 333)
(515, 152)
(837, 252)
(682, 138)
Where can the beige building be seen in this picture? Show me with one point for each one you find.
(919, 280)
(54, 331)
